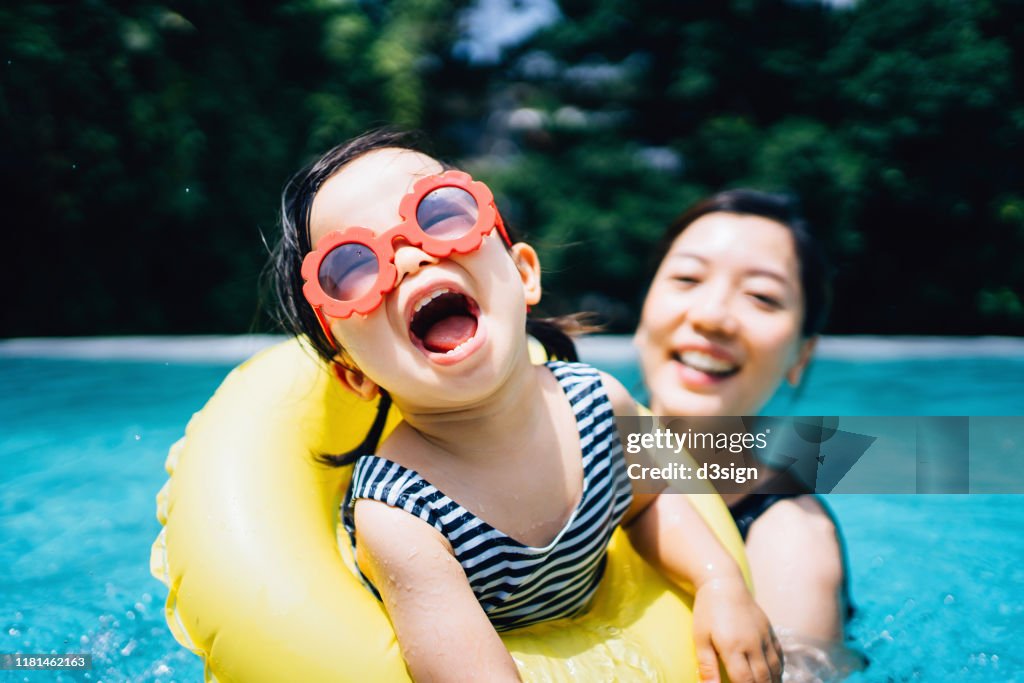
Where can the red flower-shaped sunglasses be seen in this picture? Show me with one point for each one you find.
(352, 270)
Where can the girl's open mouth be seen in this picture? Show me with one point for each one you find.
(445, 324)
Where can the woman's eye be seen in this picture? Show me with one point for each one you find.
(686, 279)
(768, 300)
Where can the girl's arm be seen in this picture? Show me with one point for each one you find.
(442, 631)
(727, 624)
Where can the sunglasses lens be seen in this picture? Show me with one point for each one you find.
(348, 271)
(447, 213)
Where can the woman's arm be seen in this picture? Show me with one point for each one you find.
(670, 534)
(443, 632)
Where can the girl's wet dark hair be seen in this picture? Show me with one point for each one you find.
(815, 276)
(292, 312)
(284, 270)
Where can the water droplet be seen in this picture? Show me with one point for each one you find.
(186, 190)
(130, 614)
(889, 619)
(127, 649)
(74, 166)
(18, 616)
(138, 437)
(13, 632)
(948, 600)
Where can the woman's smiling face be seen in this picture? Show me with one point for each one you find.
(448, 331)
(721, 325)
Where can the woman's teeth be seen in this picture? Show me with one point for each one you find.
(698, 360)
(428, 298)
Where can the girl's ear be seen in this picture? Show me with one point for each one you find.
(356, 382)
(794, 374)
(528, 266)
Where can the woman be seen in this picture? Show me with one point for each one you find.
(734, 310)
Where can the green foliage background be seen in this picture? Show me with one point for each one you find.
(145, 146)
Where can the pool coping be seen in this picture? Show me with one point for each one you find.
(595, 349)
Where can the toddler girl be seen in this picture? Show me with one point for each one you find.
(491, 505)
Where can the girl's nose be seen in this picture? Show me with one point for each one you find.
(409, 259)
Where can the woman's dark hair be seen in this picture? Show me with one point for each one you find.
(815, 278)
(294, 314)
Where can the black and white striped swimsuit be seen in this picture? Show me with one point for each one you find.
(516, 584)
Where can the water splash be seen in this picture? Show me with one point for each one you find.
(812, 661)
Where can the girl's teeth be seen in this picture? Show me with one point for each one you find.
(428, 298)
(455, 350)
(706, 362)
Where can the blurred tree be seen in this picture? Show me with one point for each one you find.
(898, 123)
(145, 145)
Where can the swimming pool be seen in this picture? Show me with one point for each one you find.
(937, 579)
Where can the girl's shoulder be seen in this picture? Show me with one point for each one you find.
(578, 380)
(383, 480)
(572, 371)
(404, 446)
(379, 474)
(569, 374)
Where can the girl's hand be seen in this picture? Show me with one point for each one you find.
(729, 626)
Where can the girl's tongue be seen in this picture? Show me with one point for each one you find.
(447, 333)
(445, 321)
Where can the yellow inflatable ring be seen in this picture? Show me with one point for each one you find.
(262, 590)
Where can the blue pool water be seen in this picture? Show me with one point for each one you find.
(938, 580)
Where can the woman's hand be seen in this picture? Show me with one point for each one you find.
(729, 626)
